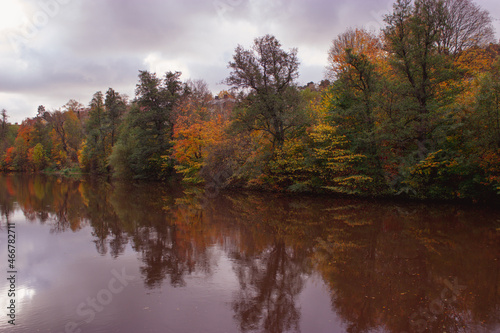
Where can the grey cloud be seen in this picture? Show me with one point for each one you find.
(92, 45)
(64, 70)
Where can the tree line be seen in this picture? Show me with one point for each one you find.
(413, 109)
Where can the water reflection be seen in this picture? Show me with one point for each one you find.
(392, 267)
(269, 286)
(56, 202)
(388, 267)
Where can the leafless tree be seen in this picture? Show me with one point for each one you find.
(466, 25)
(199, 91)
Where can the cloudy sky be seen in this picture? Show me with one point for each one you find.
(55, 50)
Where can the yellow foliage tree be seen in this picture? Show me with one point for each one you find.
(318, 161)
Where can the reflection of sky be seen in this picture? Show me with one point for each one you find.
(316, 309)
(24, 290)
(23, 296)
(57, 272)
(39, 253)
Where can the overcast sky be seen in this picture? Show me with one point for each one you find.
(55, 50)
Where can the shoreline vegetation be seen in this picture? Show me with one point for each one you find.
(411, 111)
(204, 191)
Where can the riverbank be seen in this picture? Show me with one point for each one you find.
(212, 189)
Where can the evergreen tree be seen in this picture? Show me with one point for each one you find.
(149, 126)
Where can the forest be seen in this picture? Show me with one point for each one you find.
(412, 110)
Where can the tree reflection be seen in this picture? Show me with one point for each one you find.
(269, 286)
(6, 199)
(145, 211)
(388, 266)
(55, 202)
(106, 225)
(385, 264)
(160, 252)
(271, 270)
(267, 248)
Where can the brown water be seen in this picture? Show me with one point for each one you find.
(95, 257)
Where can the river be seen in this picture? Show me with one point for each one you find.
(90, 256)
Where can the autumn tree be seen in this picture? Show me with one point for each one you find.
(66, 134)
(42, 130)
(57, 120)
(431, 78)
(419, 37)
(194, 132)
(318, 161)
(354, 42)
(484, 132)
(76, 107)
(200, 137)
(22, 145)
(352, 101)
(268, 73)
(488, 108)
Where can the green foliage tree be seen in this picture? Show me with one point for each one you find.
(93, 155)
(21, 148)
(268, 73)
(41, 134)
(488, 108)
(353, 97)
(116, 107)
(3, 128)
(411, 35)
(150, 126)
(123, 158)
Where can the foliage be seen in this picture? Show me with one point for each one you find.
(273, 103)
(150, 127)
(441, 176)
(412, 36)
(37, 157)
(192, 134)
(122, 158)
(116, 107)
(352, 100)
(414, 109)
(66, 135)
(490, 163)
(320, 161)
(94, 152)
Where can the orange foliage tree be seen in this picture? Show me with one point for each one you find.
(196, 131)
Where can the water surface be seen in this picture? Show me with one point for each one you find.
(121, 257)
